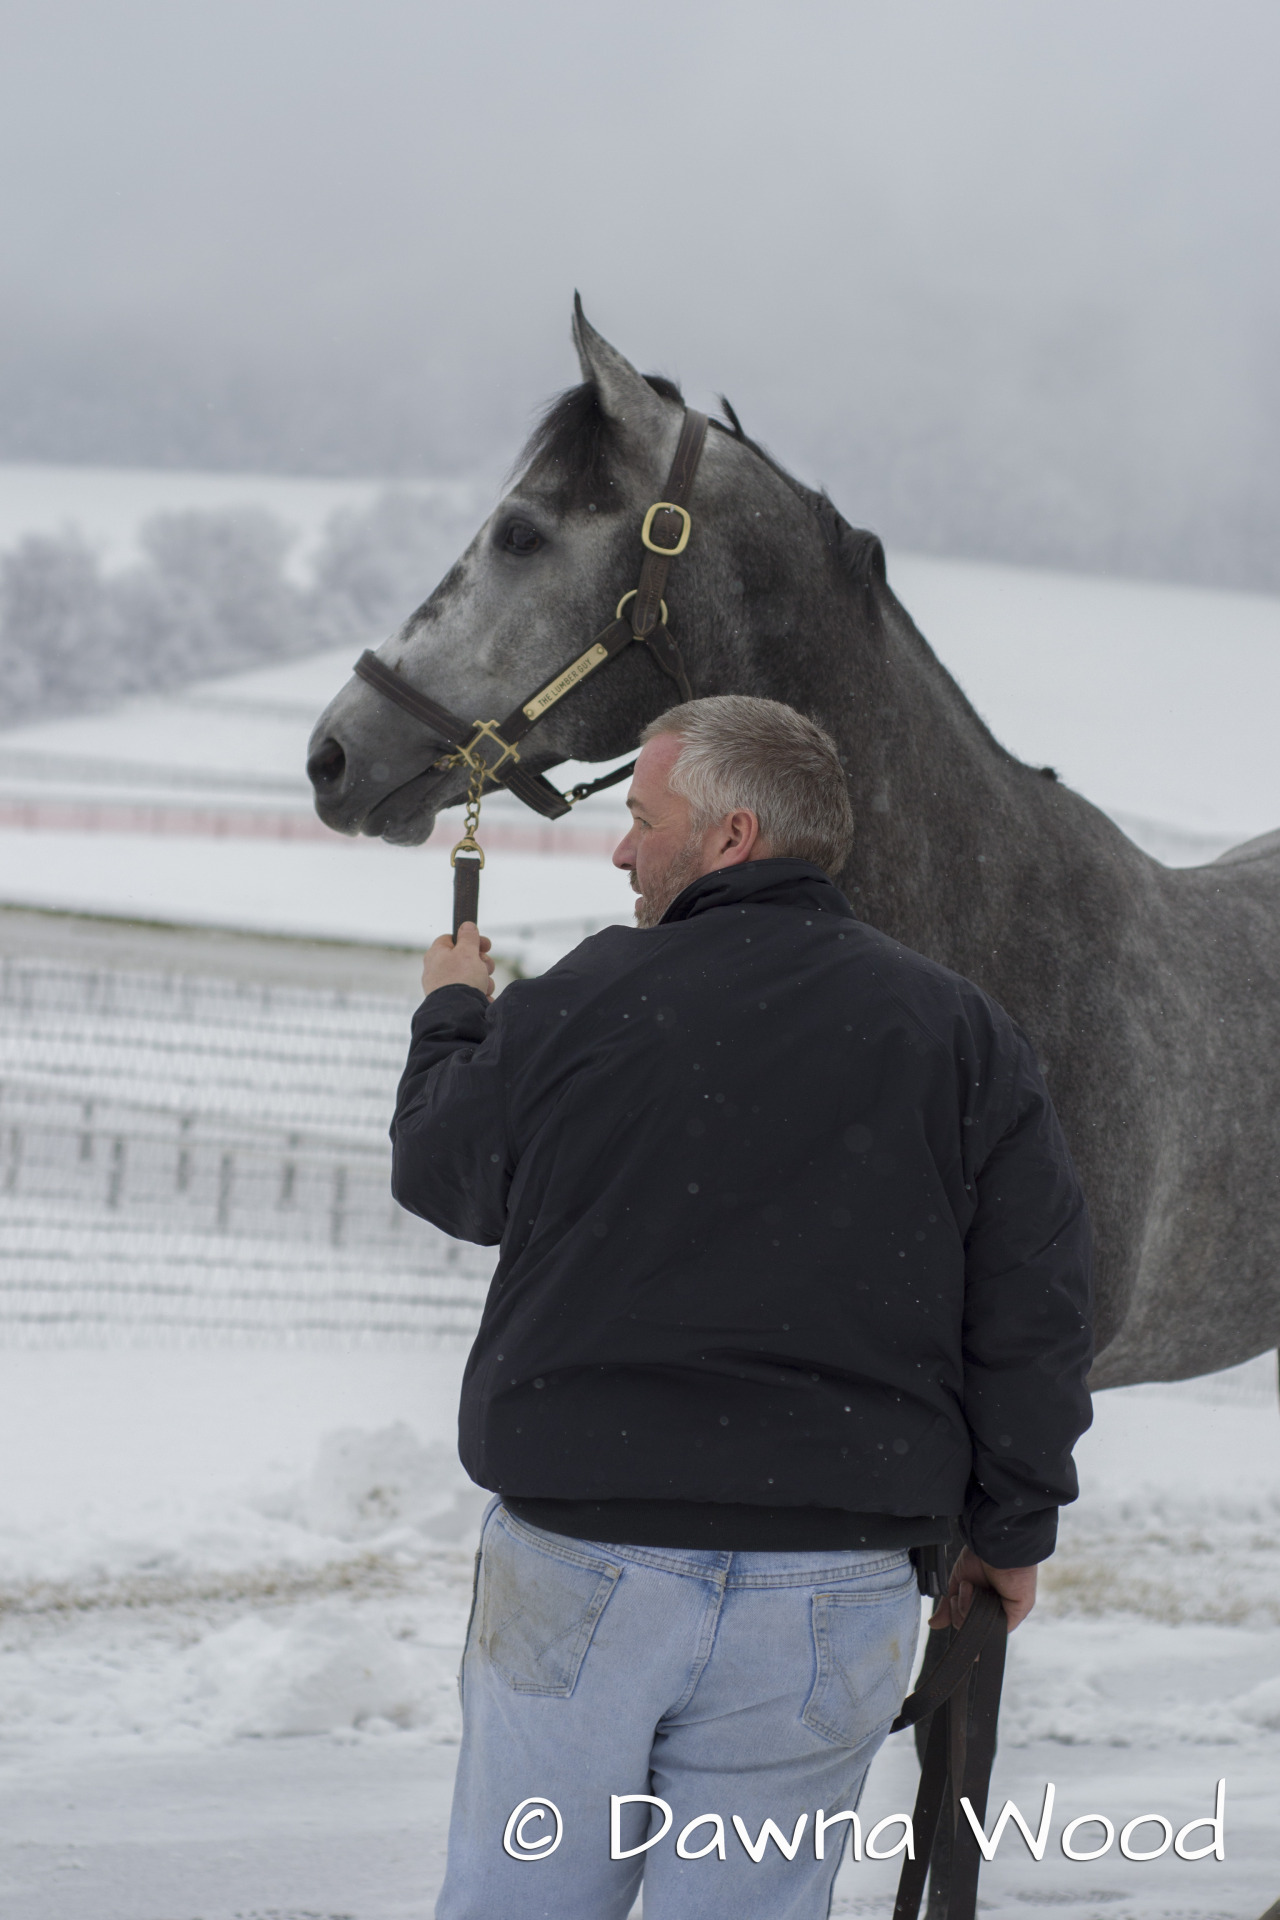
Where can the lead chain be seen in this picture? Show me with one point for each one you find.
(471, 819)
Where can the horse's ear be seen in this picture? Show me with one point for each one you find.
(625, 395)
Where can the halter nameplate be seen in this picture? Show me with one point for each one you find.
(585, 663)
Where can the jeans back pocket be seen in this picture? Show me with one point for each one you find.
(541, 1602)
(864, 1646)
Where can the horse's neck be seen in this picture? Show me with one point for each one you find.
(948, 827)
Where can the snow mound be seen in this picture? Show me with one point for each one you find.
(364, 1485)
(1261, 1705)
(325, 1670)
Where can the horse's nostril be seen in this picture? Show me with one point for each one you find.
(326, 766)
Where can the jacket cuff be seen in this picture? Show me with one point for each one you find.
(1005, 1539)
(454, 1009)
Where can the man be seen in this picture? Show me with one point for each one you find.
(794, 1276)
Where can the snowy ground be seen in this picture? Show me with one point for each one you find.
(236, 1585)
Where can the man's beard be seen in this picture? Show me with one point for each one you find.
(662, 890)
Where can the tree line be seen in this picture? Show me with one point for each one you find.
(210, 593)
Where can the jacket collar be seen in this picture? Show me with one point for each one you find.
(771, 883)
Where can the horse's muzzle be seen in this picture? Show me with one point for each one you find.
(349, 801)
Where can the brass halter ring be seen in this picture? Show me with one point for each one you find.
(662, 605)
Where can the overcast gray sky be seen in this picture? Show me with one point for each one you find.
(1002, 274)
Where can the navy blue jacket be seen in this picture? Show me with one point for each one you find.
(792, 1250)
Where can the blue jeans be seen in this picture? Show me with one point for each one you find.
(750, 1684)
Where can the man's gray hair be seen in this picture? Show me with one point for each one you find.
(767, 758)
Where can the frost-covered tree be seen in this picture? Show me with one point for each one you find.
(52, 624)
(210, 594)
(376, 564)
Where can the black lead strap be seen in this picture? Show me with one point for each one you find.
(961, 1700)
(466, 891)
(466, 860)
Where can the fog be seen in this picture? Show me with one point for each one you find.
(1003, 277)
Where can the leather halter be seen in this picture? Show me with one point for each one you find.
(489, 749)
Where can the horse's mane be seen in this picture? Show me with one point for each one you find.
(572, 445)
(858, 552)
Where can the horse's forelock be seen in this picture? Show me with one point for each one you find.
(573, 443)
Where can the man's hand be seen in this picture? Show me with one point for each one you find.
(1015, 1585)
(461, 963)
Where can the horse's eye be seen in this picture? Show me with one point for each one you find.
(519, 537)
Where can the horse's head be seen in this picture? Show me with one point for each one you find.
(540, 580)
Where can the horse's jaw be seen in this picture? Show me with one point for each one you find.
(404, 817)
(402, 832)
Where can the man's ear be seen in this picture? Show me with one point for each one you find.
(741, 838)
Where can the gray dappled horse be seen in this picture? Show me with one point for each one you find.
(1152, 994)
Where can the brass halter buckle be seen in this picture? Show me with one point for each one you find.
(646, 531)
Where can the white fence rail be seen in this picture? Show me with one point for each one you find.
(201, 1159)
